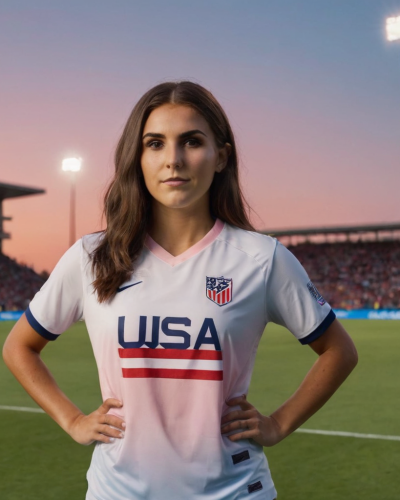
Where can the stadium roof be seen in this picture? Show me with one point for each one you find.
(312, 231)
(13, 191)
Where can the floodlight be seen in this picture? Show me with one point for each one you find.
(71, 164)
(393, 28)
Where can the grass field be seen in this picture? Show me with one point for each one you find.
(39, 461)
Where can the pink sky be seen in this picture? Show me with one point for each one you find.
(316, 119)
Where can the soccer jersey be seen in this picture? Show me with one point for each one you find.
(179, 339)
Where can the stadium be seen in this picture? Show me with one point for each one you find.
(347, 450)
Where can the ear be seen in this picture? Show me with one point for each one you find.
(223, 155)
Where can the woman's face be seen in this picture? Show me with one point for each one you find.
(180, 157)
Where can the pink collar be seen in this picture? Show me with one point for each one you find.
(165, 256)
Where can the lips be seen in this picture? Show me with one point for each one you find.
(175, 181)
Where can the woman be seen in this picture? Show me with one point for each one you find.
(176, 293)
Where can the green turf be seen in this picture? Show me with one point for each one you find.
(39, 461)
(308, 467)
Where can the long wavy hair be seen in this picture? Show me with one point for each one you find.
(127, 202)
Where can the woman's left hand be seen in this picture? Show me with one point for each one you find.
(250, 424)
(337, 356)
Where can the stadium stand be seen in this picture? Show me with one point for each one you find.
(18, 284)
(354, 267)
(362, 275)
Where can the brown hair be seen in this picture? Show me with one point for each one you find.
(127, 202)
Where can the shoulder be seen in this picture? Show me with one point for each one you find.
(79, 255)
(258, 247)
(91, 241)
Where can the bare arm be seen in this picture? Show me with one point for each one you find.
(21, 353)
(337, 357)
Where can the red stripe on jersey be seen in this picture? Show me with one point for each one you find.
(214, 295)
(223, 296)
(170, 353)
(228, 294)
(172, 373)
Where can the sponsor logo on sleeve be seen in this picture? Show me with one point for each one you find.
(315, 293)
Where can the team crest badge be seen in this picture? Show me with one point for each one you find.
(219, 290)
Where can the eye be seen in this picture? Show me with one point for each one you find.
(192, 142)
(154, 144)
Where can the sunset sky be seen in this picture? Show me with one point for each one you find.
(311, 87)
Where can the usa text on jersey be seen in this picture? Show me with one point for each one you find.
(169, 352)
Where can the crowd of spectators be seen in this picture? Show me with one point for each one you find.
(363, 275)
(18, 284)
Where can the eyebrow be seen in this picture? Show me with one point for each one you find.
(181, 136)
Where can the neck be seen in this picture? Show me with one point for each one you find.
(176, 230)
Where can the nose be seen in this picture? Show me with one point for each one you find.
(174, 157)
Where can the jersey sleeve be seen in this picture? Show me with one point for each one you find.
(292, 299)
(59, 303)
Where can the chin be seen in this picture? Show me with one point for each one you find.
(178, 203)
(178, 206)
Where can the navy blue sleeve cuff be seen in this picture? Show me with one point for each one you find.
(320, 329)
(38, 327)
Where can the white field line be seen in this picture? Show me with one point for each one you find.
(349, 434)
(22, 408)
(305, 431)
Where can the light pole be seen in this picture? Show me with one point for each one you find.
(393, 28)
(72, 165)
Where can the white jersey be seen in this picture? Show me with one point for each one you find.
(178, 340)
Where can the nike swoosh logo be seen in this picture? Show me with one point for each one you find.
(122, 288)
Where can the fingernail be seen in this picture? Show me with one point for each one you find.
(112, 440)
(121, 435)
(123, 425)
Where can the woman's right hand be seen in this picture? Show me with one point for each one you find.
(21, 353)
(98, 425)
